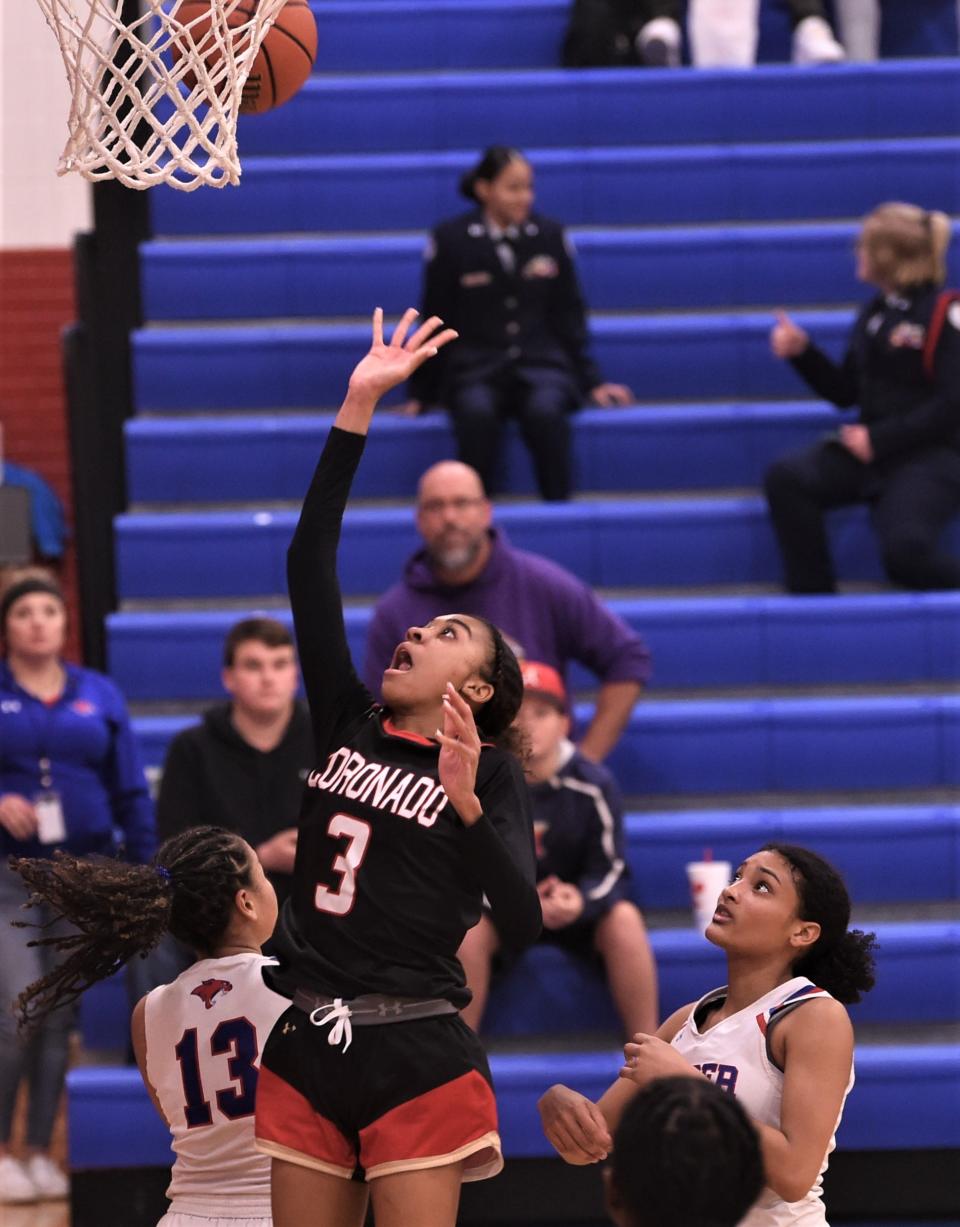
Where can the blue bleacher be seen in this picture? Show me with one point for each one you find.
(616, 187)
(723, 641)
(872, 742)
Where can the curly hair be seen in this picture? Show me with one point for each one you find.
(120, 910)
(685, 1155)
(495, 719)
(841, 959)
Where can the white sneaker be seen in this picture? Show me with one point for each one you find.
(659, 42)
(15, 1184)
(49, 1182)
(814, 43)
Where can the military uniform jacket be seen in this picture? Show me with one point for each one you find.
(905, 408)
(388, 878)
(515, 301)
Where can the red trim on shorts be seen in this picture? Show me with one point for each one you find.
(285, 1118)
(434, 1124)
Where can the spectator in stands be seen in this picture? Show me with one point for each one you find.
(684, 1155)
(613, 33)
(726, 36)
(902, 457)
(582, 877)
(548, 614)
(48, 526)
(70, 778)
(504, 278)
(243, 766)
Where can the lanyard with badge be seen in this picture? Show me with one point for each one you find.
(47, 805)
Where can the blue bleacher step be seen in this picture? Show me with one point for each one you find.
(889, 638)
(630, 186)
(270, 457)
(550, 992)
(621, 270)
(886, 853)
(616, 543)
(279, 365)
(712, 747)
(397, 36)
(395, 112)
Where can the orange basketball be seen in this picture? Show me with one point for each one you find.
(285, 58)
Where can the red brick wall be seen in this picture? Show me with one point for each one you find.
(36, 302)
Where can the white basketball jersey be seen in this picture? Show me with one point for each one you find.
(733, 1054)
(205, 1033)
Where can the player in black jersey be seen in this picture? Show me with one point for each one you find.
(416, 811)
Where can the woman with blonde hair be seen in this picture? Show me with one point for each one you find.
(902, 456)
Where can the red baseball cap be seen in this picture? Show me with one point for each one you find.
(544, 682)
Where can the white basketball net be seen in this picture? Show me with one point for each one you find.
(138, 116)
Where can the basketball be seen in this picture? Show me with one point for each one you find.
(282, 64)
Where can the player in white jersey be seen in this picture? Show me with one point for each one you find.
(776, 1035)
(198, 1040)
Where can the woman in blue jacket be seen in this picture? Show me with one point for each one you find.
(70, 777)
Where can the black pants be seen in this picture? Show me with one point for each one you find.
(911, 502)
(542, 407)
(601, 32)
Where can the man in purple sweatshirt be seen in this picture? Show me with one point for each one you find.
(467, 564)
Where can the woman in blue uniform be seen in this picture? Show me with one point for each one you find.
(70, 777)
(504, 278)
(902, 456)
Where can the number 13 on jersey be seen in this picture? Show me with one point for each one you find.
(346, 863)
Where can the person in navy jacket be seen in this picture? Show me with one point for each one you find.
(504, 278)
(70, 778)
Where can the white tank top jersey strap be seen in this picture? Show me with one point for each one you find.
(735, 1054)
(205, 1033)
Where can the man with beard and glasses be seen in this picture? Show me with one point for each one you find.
(468, 564)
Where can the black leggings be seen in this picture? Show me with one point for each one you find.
(542, 408)
(911, 501)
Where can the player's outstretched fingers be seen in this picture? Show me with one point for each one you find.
(403, 327)
(378, 326)
(424, 333)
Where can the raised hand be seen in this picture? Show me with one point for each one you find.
(459, 755)
(389, 364)
(787, 339)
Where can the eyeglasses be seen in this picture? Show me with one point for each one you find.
(437, 506)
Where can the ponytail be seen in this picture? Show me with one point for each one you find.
(120, 910)
(842, 959)
(495, 720)
(495, 160)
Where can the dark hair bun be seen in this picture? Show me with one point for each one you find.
(495, 159)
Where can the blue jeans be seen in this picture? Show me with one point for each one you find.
(39, 1055)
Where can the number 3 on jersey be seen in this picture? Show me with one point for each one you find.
(346, 863)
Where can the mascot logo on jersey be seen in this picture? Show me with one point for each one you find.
(210, 990)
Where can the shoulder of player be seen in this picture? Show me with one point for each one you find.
(498, 763)
(671, 1025)
(813, 1021)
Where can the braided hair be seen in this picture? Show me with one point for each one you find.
(841, 959)
(121, 910)
(685, 1155)
(495, 719)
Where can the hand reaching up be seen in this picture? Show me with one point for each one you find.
(389, 364)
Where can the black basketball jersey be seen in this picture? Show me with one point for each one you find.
(388, 878)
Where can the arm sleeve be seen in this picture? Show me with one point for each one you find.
(605, 877)
(569, 319)
(838, 383)
(335, 694)
(590, 632)
(130, 796)
(438, 298)
(180, 801)
(936, 418)
(499, 849)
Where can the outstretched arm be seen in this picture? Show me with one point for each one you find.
(334, 692)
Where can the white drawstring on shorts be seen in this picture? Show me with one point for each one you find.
(339, 1014)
